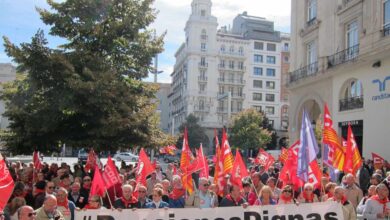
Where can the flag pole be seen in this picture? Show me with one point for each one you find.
(109, 199)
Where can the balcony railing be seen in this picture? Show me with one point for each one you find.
(202, 78)
(311, 22)
(232, 68)
(201, 108)
(351, 103)
(386, 30)
(238, 95)
(224, 110)
(203, 65)
(344, 56)
(232, 81)
(307, 71)
(234, 54)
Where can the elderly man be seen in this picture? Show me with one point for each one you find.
(202, 198)
(378, 206)
(49, 211)
(127, 201)
(75, 195)
(142, 198)
(348, 210)
(353, 193)
(65, 206)
(234, 198)
(26, 213)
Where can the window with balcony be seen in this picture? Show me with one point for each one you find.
(223, 49)
(203, 46)
(271, 47)
(203, 36)
(311, 11)
(270, 72)
(286, 59)
(222, 64)
(231, 64)
(270, 110)
(258, 58)
(351, 95)
(202, 88)
(386, 18)
(270, 85)
(231, 49)
(258, 84)
(311, 55)
(270, 97)
(352, 34)
(257, 71)
(240, 65)
(271, 59)
(241, 51)
(257, 96)
(221, 89)
(259, 45)
(286, 47)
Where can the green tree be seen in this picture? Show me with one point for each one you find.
(196, 134)
(87, 93)
(247, 130)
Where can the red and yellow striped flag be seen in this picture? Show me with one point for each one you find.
(185, 162)
(226, 154)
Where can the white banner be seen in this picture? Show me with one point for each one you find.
(317, 211)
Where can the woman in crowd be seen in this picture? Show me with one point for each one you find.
(287, 196)
(95, 202)
(329, 191)
(157, 202)
(307, 195)
(265, 197)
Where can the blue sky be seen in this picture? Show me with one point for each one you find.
(19, 21)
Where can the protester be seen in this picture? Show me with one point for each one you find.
(353, 192)
(65, 206)
(11, 209)
(378, 206)
(176, 197)
(203, 197)
(26, 213)
(94, 202)
(76, 197)
(362, 205)
(157, 202)
(127, 201)
(266, 197)
(271, 182)
(348, 210)
(142, 198)
(329, 191)
(49, 211)
(307, 195)
(287, 197)
(234, 198)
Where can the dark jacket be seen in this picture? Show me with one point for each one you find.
(80, 201)
(151, 205)
(229, 201)
(141, 205)
(122, 203)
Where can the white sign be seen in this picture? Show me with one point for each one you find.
(317, 211)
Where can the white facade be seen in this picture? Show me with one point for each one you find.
(340, 55)
(214, 62)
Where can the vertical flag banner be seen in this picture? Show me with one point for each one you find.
(36, 161)
(353, 160)
(185, 163)
(202, 163)
(227, 156)
(219, 179)
(6, 183)
(110, 174)
(239, 170)
(308, 148)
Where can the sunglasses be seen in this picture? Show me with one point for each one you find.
(142, 191)
(206, 185)
(308, 190)
(287, 191)
(31, 214)
(50, 187)
(87, 180)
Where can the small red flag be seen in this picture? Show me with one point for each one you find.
(283, 157)
(92, 161)
(264, 159)
(98, 187)
(144, 168)
(6, 184)
(202, 163)
(36, 161)
(378, 161)
(353, 160)
(239, 170)
(110, 174)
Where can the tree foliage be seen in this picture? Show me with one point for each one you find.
(87, 93)
(248, 130)
(196, 134)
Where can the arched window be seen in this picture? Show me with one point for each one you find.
(351, 95)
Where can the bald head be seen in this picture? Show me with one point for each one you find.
(50, 204)
(26, 213)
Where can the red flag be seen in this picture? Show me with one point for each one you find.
(98, 187)
(92, 161)
(37, 162)
(264, 159)
(226, 154)
(144, 168)
(202, 163)
(378, 161)
(239, 170)
(353, 161)
(288, 174)
(110, 174)
(6, 183)
(219, 179)
(185, 164)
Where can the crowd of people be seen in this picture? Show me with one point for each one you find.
(56, 191)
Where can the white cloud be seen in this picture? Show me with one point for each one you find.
(173, 15)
